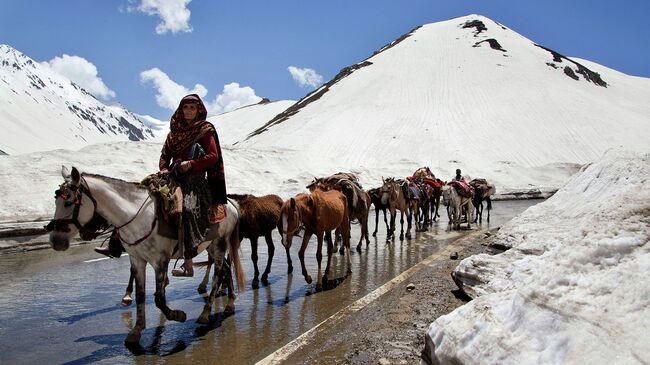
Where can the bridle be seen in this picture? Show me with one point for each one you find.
(101, 226)
(72, 195)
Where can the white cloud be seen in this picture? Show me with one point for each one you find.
(82, 73)
(174, 14)
(305, 77)
(233, 97)
(169, 93)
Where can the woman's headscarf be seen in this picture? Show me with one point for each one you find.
(183, 133)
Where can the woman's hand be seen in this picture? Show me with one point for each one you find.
(185, 166)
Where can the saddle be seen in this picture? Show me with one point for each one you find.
(481, 186)
(462, 188)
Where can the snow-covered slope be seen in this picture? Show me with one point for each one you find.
(443, 96)
(234, 126)
(573, 289)
(41, 110)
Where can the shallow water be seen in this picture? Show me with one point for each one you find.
(63, 307)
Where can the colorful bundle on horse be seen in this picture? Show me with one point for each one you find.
(462, 188)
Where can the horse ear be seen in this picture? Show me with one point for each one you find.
(292, 203)
(65, 173)
(75, 175)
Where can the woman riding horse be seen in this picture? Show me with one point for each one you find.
(192, 151)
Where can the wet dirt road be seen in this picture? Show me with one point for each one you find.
(63, 307)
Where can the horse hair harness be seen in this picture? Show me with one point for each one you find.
(72, 195)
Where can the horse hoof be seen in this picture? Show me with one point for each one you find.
(290, 270)
(265, 279)
(203, 319)
(308, 279)
(178, 316)
(319, 287)
(359, 249)
(127, 301)
(255, 284)
(132, 339)
(374, 234)
(230, 309)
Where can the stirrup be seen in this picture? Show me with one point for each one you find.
(104, 251)
(183, 272)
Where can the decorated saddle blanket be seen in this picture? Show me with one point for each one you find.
(462, 188)
(434, 183)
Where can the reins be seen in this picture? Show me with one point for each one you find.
(61, 224)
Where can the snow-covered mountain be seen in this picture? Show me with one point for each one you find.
(42, 110)
(235, 125)
(469, 93)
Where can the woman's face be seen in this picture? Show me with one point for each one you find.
(190, 111)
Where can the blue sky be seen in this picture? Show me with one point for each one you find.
(252, 43)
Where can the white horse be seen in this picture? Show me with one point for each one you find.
(127, 206)
(455, 204)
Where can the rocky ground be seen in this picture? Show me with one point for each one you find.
(391, 329)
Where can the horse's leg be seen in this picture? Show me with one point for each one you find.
(346, 243)
(374, 234)
(385, 220)
(363, 232)
(218, 259)
(391, 231)
(256, 277)
(160, 299)
(330, 252)
(138, 270)
(127, 300)
(365, 229)
(289, 263)
(401, 222)
(202, 289)
(337, 233)
(489, 208)
(319, 257)
(271, 247)
(230, 307)
(301, 255)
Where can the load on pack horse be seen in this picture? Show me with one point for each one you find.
(129, 208)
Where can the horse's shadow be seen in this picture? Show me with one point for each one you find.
(181, 293)
(79, 317)
(179, 337)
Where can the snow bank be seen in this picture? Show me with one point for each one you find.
(574, 286)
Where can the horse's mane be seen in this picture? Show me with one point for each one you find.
(121, 184)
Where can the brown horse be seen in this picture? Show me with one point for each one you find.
(375, 198)
(318, 212)
(358, 205)
(259, 216)
(393, 195)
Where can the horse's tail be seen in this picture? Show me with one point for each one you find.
(236, 261)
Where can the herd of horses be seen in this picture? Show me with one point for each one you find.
(332, 204)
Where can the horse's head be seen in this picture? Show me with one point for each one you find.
(446, 194)
(290, 221)
(314, 184)
(386, 189)
(74, 207)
